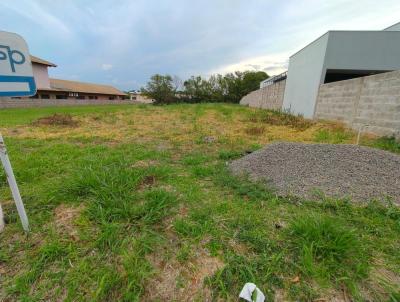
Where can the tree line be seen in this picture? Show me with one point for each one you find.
(228, 88)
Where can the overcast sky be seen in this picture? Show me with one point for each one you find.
(124, 42)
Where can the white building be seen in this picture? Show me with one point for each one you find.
(335, 56)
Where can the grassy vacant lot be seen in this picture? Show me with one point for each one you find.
(135, 203)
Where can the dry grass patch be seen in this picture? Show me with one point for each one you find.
(145, 163)
(64, 218)
(255, 130)
(279, 118)
(380, 283)
(177, 282)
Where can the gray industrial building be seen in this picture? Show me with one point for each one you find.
(337, 56)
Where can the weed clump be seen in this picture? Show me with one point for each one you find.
(327, 250)
(280, 118)
(56, 120)
(334, 134)
(255, 130)
(389, 143)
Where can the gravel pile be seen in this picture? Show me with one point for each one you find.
(360, 173)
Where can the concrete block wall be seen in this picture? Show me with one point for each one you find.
(371, 102)
(269, 97)
(29, 103)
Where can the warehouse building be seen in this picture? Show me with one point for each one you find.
(347, 76)
(337, 56)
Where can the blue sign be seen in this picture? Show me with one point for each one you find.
(16, 76)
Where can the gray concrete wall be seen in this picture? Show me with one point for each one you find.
(304, 78)
(372, 102)
(269, 97)
(363, 50)
(29, 103)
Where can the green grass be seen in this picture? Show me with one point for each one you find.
(337, 135)
(102, 207)
(12, 117)
(328, 250)
(388, 143)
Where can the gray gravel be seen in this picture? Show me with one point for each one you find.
(360, 173)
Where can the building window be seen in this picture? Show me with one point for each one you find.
(36, 96)
(92, 97)
(111, 97)
(80, 97)
(61, 96)
(73, 94)
(133, 98)
(45, 96)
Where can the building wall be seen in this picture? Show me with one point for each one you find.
(372, 102)
(363, 50)
(140, 98)
(45, 95)
(30, 103)
(269, 97)
(304, 77)
(41, 76)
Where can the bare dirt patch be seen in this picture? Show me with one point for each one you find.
(177, 282)
(147, 182)
(380, 282)
(64, 219)
(56, 119)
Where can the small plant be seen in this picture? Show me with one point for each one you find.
(328, 250)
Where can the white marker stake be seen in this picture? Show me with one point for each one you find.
(13, 185)
(1, 220)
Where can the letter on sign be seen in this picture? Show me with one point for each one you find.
(16, 76)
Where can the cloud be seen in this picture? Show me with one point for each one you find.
(106, 66)
(37, 14)
(180, 37)
(272, 64)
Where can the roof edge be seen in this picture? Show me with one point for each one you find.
(391, 26)
(40, 61)
(333, 31)
(88, 83)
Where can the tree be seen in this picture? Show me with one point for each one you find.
(218, 88)
(252, 79)
(197, 90)
(161, 88)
